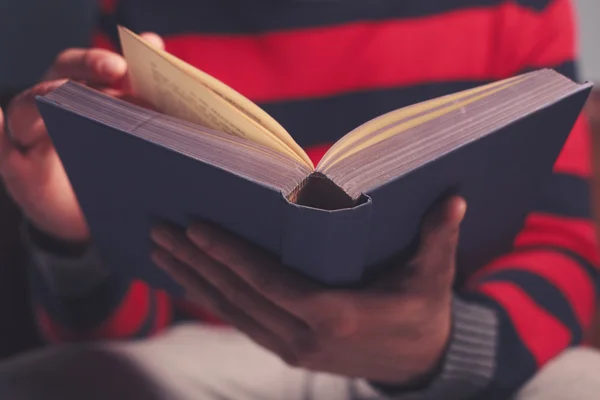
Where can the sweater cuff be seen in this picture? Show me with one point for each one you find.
(69, 271)
(469, 362)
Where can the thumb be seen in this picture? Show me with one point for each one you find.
(434, 264)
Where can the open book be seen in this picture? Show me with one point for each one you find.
(208, 152)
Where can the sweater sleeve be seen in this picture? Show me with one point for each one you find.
(76, 298)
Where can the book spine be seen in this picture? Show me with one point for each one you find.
(328, 246)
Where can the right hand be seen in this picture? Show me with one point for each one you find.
(29, 165)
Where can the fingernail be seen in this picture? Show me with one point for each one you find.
(113, 66)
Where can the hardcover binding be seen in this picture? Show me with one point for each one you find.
(329, 246)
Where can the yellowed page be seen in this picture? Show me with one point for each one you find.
(387, 119)
(173, 90)
(242, 103)
(455, 105)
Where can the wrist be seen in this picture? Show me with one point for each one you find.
(429, 346)
(57, 245)
(69, 269)
(468, 362)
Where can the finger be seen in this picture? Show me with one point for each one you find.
(205, 295)
(446, 216)
(320, 309)
(154, 39)
(237, 292)
(5, 146)
(94, 66)
(25, 125)
(15, 169)
(252, 265)
(434, 263)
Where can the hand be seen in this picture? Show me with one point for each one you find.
(394, 331)
(29, 165)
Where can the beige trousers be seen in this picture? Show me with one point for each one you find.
(207, 363)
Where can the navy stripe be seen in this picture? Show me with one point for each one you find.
(566, 196)
(325, 120)
(544, 294)
(591, 270)
(43, 296)
(79, 313)
(107, 25)
(99, 305)
(87, 313)
(570, 69)
(180, 316)
(514, 362)
(254, 16)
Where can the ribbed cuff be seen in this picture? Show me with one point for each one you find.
(469, 363)
(67, 275)
(471, 358)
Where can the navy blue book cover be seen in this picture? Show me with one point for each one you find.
(125, 184)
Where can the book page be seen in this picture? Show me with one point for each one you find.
(241, 103)
(383, 127)
(175, 92)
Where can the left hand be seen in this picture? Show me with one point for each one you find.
(393, 332)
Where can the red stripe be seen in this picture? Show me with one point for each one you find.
(573, 234)
(129, 316)
(539, 331)
(560, 270)
(575, 157)
(163, 311)
(315, 153)
(475, 44)
(102, 41)
(108, 6)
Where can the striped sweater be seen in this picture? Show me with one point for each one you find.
(322, 67)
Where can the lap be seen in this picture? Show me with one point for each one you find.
(199, 362)
(75, 372)
(574, 375)
(187, 362)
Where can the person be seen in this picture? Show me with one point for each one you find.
(250, 329)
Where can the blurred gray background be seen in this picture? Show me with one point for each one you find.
(589, 38)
